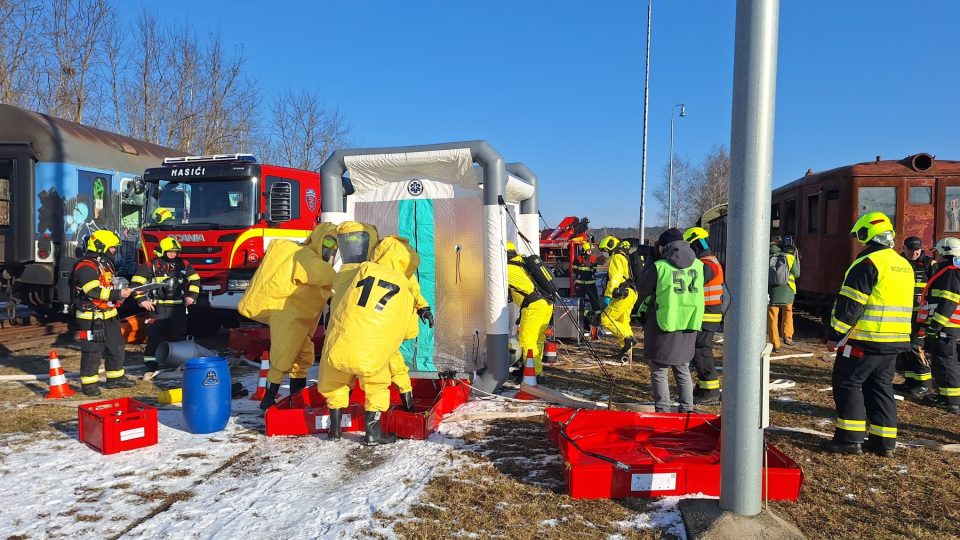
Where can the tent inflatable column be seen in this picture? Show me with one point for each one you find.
(529, 220)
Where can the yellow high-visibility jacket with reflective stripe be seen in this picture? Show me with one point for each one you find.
(888, 308)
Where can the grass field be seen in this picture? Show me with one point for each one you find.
(511, 485)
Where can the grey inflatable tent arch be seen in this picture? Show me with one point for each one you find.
(494, 180)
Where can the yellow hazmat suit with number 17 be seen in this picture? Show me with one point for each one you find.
(289, 292)
(369, 319)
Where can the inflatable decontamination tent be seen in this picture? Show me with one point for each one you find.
(458, 204)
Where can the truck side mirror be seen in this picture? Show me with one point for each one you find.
(280, 202)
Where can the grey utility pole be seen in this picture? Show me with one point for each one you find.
(643, 153)
(751, 166)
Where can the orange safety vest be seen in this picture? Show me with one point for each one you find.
(84, 302)
(713, 289)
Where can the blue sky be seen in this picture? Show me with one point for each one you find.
(558, 85)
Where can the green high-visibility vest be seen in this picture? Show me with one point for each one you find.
(680, 303)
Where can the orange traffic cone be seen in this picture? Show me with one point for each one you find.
(529, 377)
(550, 349)
(58, 381)
(262, 383)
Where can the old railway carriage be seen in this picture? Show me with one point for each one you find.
(921, 195)
(58, 181)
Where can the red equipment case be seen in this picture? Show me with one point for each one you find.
(432, 400)
(615, 454)
(306, 413)
(251, 341)
(117, 425)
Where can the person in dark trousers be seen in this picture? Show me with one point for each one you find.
(672, 289)
(169, 304)
(708, 381)
(96, 299)
(939, 320)
(585, 268)
(871, 325)
(915, 370)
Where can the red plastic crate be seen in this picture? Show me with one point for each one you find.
(660, 453)
(306, 413)
(117, 425)
(251, 341)
(433, 399)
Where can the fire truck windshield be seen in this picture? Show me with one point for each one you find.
(220, 203)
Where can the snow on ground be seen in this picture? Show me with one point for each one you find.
(233, 484)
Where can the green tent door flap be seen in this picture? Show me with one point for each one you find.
(416, 223)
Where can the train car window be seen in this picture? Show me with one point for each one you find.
(6, 170)
(877, 199)
(832, 222)
(951, 207)
(920, 194)
(813, 214)
(775, 220)
(790, 221)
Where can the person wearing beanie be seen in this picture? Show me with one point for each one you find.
(672, 290)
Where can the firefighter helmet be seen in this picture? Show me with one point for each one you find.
(162, 214)
(511, 249)
(948, 247)
(587, 248)
(102, 240)
(872, 225)
(695, 233)
(609, 243)
(167, 244)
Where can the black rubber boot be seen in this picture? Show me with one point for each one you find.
(296, 385)
(92, 390)
(841, 447)
(120, 382)
(407, 399)
(335, 433)
(628, 343)
(269, 396)
(876, 447)
(708, 397)
(374, 435)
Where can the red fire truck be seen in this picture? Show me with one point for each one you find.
(559, 248)
(224, 210)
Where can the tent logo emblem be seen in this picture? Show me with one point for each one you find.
(415, 188)
(311, 199)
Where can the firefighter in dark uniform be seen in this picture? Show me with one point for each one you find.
(585, 268)
(915, 370)
(96, 299)
(872, 323)
(169, 303)
(939, 318)
(708, 383)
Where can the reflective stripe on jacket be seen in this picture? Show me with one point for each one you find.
(887, 308)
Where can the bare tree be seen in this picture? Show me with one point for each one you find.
(21, 22)
(304, 132)
(714, 185)
(74, 53)
(685, 175)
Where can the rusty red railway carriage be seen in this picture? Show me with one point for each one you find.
(921, 195)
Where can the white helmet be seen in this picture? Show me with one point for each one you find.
(948, 247)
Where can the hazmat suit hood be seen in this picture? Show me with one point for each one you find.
(679, 254)
(316, 238)
(356, 241)
(397, 254)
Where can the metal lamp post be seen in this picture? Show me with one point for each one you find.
(683, 112)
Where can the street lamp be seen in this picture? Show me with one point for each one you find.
(683, 112)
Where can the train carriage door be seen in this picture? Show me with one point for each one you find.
(920, 214)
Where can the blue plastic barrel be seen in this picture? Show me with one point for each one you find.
(206, 394)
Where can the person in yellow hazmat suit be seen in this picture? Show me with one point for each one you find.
(289, 291)
(619, 296)
(399, 372)
(536, 308)
(369, 319)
